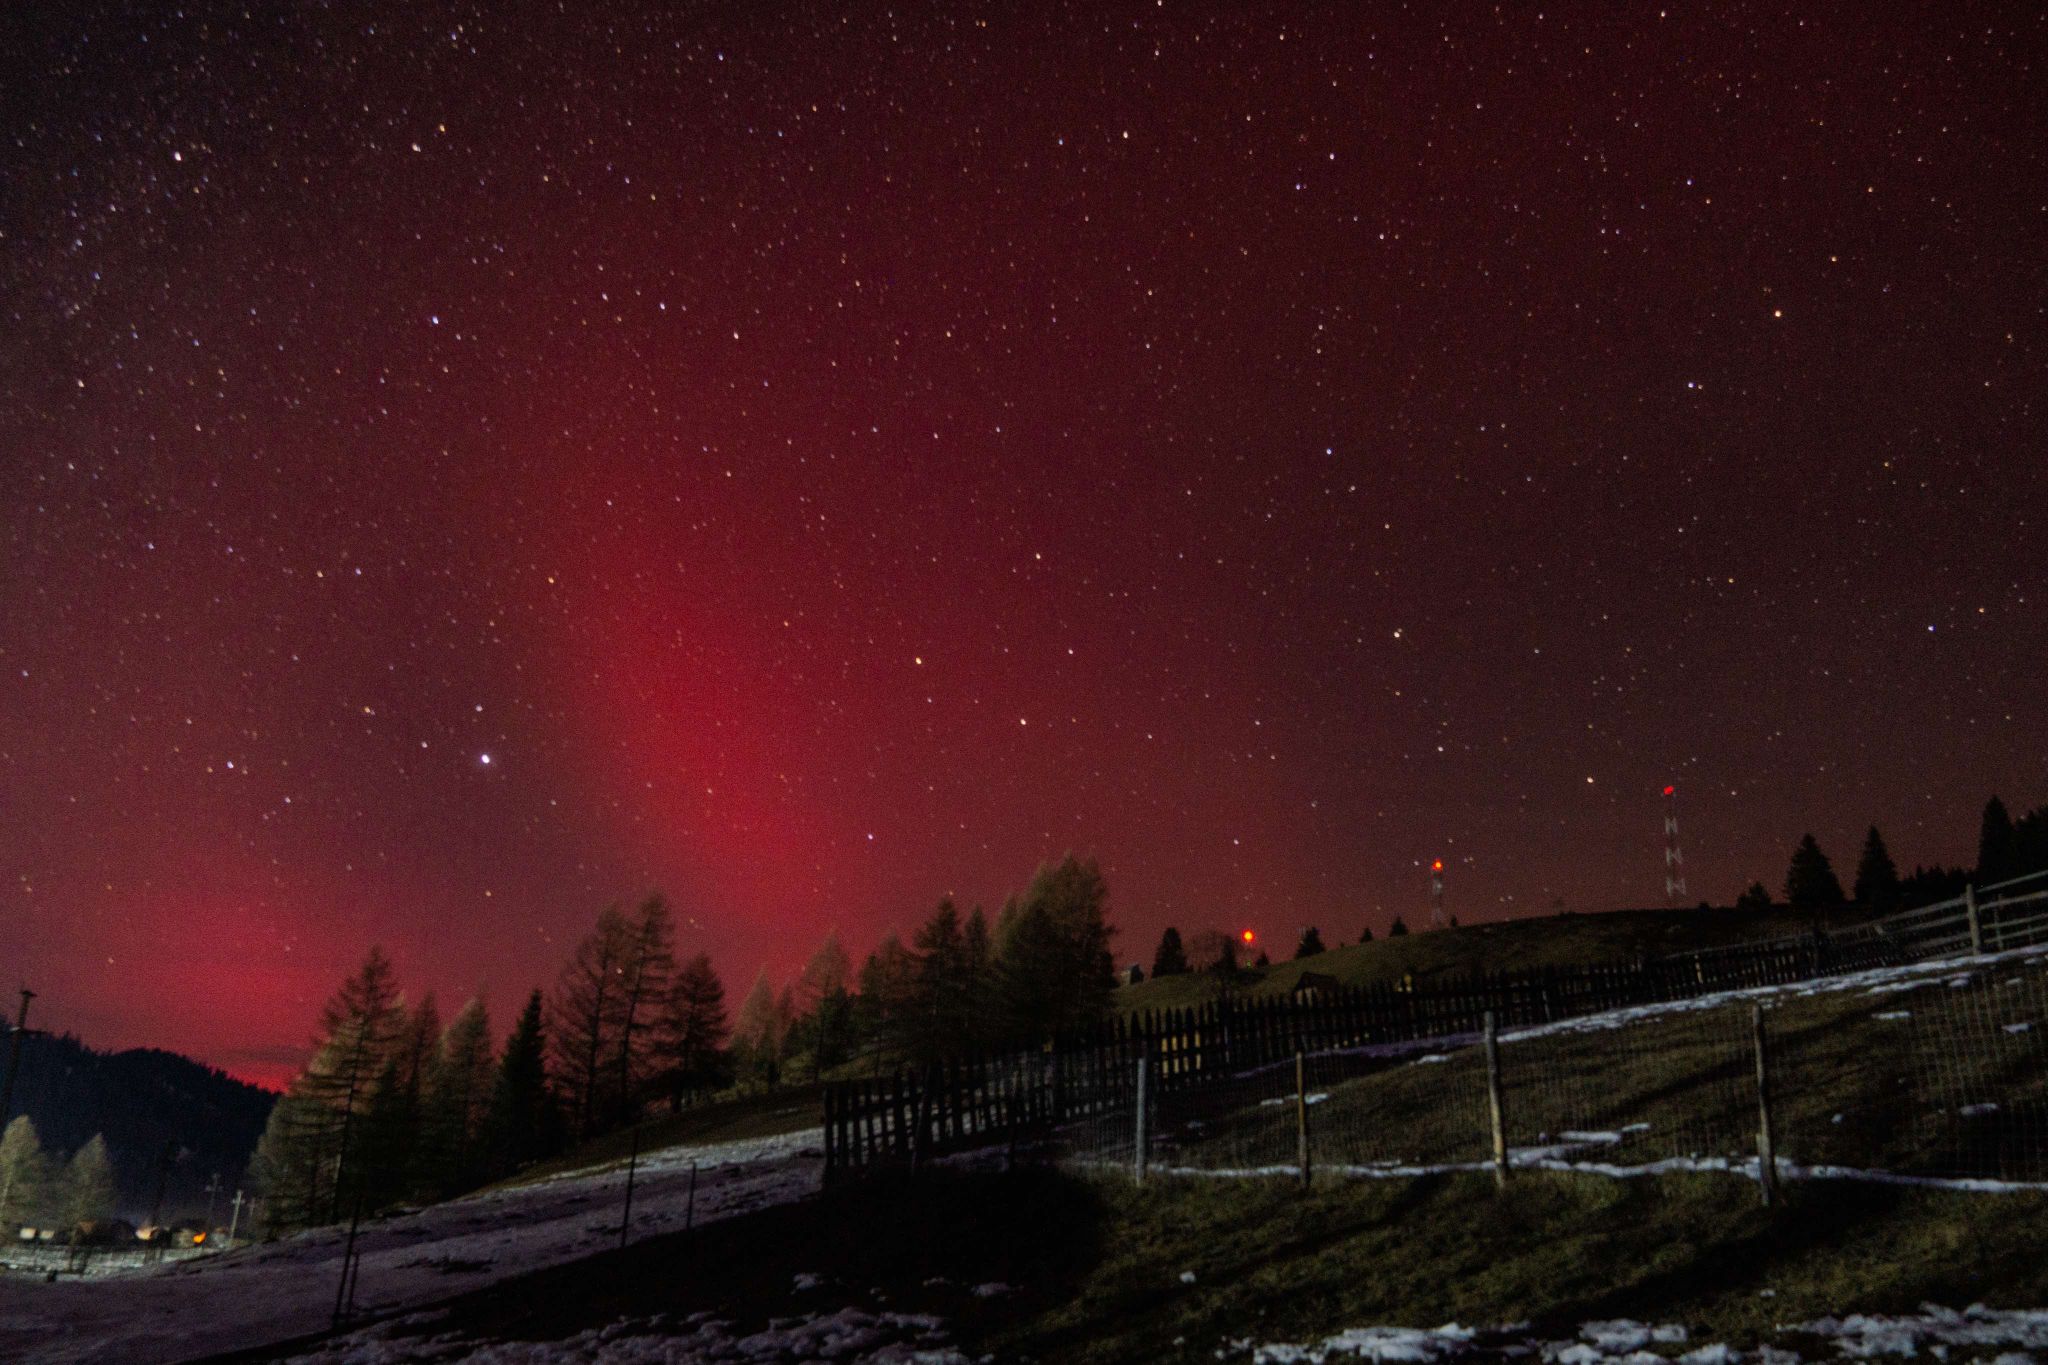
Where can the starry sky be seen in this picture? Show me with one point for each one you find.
(464, 465)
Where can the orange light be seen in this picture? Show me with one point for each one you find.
(1247, 936)
(1437, 866)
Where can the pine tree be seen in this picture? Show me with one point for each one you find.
(1366, 937)
(1810, 882)
(523, 1123)
(88, 1184)
(1877, 879)
(1994, 844)
(693, 1028)
(1756, 898)
(1171, 959)
(1399, 928)
(1311, 943)
(25, 1176)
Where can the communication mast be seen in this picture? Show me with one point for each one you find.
(1674, 861)
(1436, 894)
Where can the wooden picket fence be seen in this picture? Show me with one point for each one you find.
(913, 1115)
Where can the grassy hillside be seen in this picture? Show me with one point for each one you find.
(1512, 945)
(788, 1110)
(1097, 1265)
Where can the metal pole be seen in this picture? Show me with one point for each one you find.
(212, 1195)
(1766, 1150)
(1976, 928)
(235, 1221)
(14, 1058)
(348, 1252)
(164, 1163)
(632, 1169)
(1301, 1115)
(1493, 1104)
(1141, 1142)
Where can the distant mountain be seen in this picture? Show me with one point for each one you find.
(142, 1101)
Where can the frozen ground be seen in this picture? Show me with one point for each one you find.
(848, 1336)
(2017, 1337)
(273, 1293)
(855, 1336)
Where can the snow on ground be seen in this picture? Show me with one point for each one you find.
(2008, 1337)
(1958, 972)
(283, 1290)
(851, 1336)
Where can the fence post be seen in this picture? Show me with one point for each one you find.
(1140, 1146)
(1301, 1114)
(1766, 1148)
(1976, 928)
(1493, 1104)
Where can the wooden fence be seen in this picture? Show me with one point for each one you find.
(911, 1116)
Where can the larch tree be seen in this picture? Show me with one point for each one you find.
(386, 1159)
(88, 1184)
(458, 1099)
(820, 1007)
(882, 1010)
(757, 1033)
(316, 1132)
(419, 1044)
(583, 1028)
(25, 1176)
(643, 985)
(1054, 969)
(943, 1014)
(693, 1028)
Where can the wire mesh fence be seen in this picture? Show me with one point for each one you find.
(1215, 1065)
(1941, 1075)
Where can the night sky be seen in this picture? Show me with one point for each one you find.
(461, 466)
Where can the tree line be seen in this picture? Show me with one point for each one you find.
(394, 1106)
(2006, 849)
(39, 1190)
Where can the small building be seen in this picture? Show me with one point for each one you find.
(1315, 984)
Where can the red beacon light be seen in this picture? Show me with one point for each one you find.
(1671, 791)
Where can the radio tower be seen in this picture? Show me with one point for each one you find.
(1436, 894)
(1674, 861)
